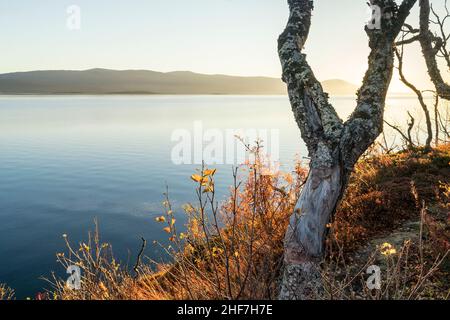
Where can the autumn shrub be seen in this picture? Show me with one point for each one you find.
(227, 250)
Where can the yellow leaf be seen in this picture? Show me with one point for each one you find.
(210, 172)
(102, 286)
(167, 229)
(161, 219)
(209, 188)
(387, 249)
(205, 181)
(217, 251)
(197, 178)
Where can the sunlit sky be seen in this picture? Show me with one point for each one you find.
(236, 37)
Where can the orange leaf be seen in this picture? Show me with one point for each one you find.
(208, 189)
(210, 172)
(197, 178)
(161, 219)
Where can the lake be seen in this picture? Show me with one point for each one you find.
(66, 160)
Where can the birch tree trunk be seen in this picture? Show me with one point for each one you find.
(334, 145)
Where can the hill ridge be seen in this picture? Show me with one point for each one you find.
(108, 81)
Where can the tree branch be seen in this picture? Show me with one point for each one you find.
(399, 54)
(406, 137)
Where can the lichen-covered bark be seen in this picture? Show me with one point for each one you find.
(429, 51)
(318, 121)
(334, 146)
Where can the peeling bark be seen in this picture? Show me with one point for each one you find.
(304, 243)
(334, 146)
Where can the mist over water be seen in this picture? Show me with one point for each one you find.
(66, 160)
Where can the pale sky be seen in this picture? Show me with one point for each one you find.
(236, 37)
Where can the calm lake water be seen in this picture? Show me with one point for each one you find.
(67, 160)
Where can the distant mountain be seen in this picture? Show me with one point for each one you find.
(339, 87)
(103, 81)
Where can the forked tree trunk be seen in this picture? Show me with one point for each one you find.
(334, 146)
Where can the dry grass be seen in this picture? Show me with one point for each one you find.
(233, 250)
(412, 268)
(6, 293)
